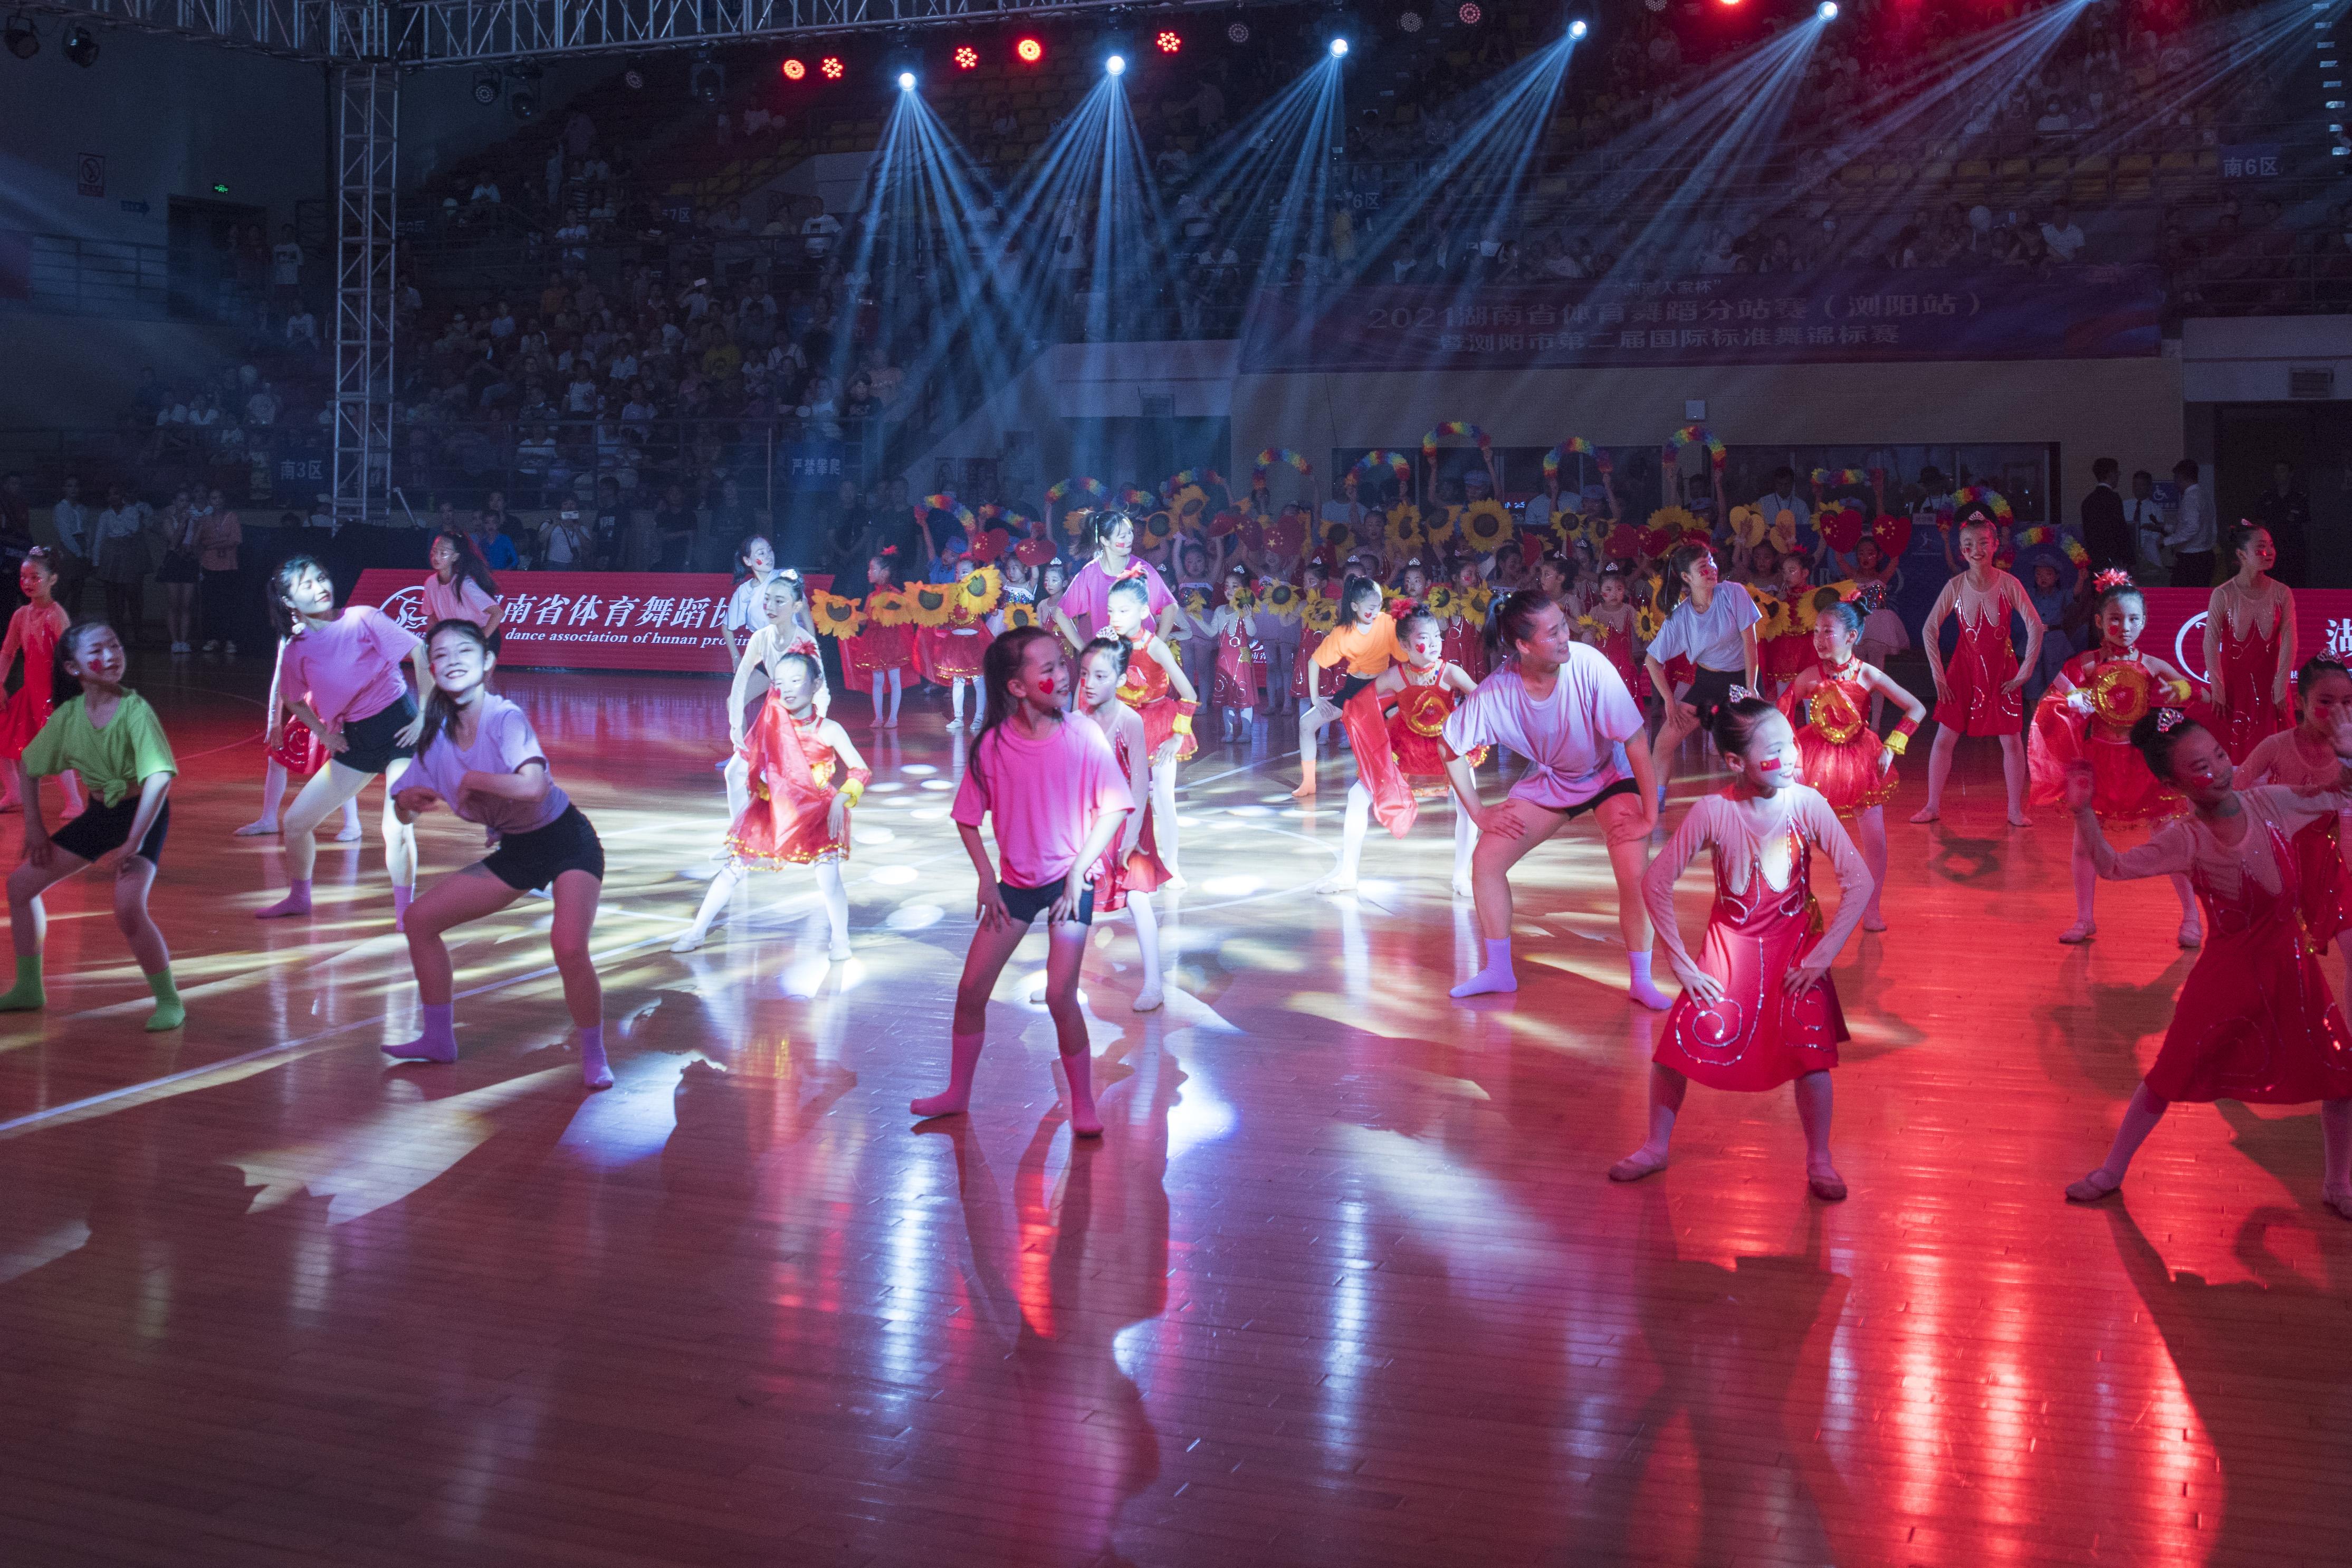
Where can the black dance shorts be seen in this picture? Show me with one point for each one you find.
(1712, 686)
(1025, 904)
(99, 828)
(534, 859)
(373, 743)
(1622, 786)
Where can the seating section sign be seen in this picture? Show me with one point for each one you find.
(589, 620)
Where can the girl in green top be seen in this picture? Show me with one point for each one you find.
(110, 738)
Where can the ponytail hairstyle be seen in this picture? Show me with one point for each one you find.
(440, 708)
(2312, 671)
(743, 551)
(282, 614)
(1000, 667)
(1731, 721)
(886, 559)
(1512, 622)
(1101, 524)
(64, 684)
(471, 567)
(2115, 583)
(2160, 730)
(2238, 536)
(1678, 564)
(1356, 587)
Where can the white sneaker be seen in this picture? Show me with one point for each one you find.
(212, 646)
(229, 648)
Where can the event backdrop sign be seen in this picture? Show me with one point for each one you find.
(1922, 314)
(591, 620)
(2176, 625)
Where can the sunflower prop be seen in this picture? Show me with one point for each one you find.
(1486, 527)
(1841, 527)
(1188, 504)
(1321, 613)
(1453, 427)
(890, 608)
(1405, 531)
(1195, 603)
(1337, 534)
(1020, 614)
(1985, 498)
(1274, 454)
(978, 593)
(1676, 521)
(1648, 623)
(1771, 617)
(931, 604)
(1572, 447)
(1439, 601)
(1893, 533)
(836, 616)
(1245, 603)
(1696, 434)
(1472, 604)
(1782, 535)
(1281, 601)
(1158, 526)
(1396, 462)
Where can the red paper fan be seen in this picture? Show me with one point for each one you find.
(1224, 522)
(988, 546)
(1033, 551)
(1893, 533)
(1841, 528)
(1253, 534)
(1623, 543)
(1289, 535)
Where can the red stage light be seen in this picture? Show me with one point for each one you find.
(966, 56)
(1469, 14)
(830, 67)
(1030, 51)
(794, 70)
(1170, 43)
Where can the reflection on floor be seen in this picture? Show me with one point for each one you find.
(1342, 1284)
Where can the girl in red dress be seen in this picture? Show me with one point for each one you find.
(1466, 624)
(2250, 644)
(1364, 644)
(1758, 1008)
(1423, 690)
(1240, 670)
(1131, 868)
(1611, 629)
(951, 655)
(34, 631)
(1156, 687)
(878, 655)
(1830, 702)
(2087, 719)
(1979, 692)
(1785, 656)
(2254, 1022)
(2304, 758)
(805, 775)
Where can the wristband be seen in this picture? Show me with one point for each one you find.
(1897, 743)
(2182, 690)
(1183, 725)
(1906, 728)
(853, 792)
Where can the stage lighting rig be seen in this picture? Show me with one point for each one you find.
(1168, 42)
(1470, 15)
(485, 88)
(831, 68)
(707, 79)
(1577, 29)
(1408, 22)
(522, 90)
(1029, 51)
(634, 79)
(1828, 11)
(966, 58)
(1237, 32)
(794, 70)
(1338, 49)
(23, 41)
(1116, 65)
(81, 48)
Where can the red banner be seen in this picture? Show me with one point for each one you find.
(2176, 625)
(591, 620)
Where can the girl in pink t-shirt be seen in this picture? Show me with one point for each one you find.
(461, 587)
(288, 750)
(1050, 786)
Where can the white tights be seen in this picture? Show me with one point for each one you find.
(1359, 825)
(731, 877)
(891, 678)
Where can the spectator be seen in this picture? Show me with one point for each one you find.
(179, 572)
(673, 531)
(302, 330)
(219, 536)
(819, 230)
(261, 408)
(120, 538)
(71, 521)
(565, 542)
(490, 539)
(2285, 512)
(2062, 234)
(2106, 535)
(2191, 536)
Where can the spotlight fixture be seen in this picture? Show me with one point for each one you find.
(906, 81)
(1338, 49)
(1116, 65)
(1577, 29)
(1409, 21)
(23, 41)
(522, 100)
(485, 88)
(830, 67)
(634, 79)
(794, 70)
(1828, 11)
(1470, 14)
(1170, 43)
(708, 79)
(1029, 51)
(966, 58)
(81, 48)
(1237, 32)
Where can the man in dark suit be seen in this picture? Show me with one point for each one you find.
(2105, 534)
(2285, 512)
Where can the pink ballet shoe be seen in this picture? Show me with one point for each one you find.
(2093, 1187)
(1825, 1183)
(2192, 934)
(1641, 1162)
(2079, 933)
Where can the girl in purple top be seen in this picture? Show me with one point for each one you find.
(1084, 606)
(478, 757)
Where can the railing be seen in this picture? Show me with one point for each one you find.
(62, 272)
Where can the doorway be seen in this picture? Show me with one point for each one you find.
(205, 242)
(2312, 439)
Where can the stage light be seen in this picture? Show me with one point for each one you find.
(1409, 21)
(708, 80)
(1029, 51)
(485, 88)
(1116, 65)
(830, 67)
(1470, 13)
(906, 81)
(794, 70)
(1237, 33)
(1170, 43)
(1338, 49)
(1577, 29)
(634, 79)
(23, 41)
(966, 58)
(1827, 12)
(81, 48)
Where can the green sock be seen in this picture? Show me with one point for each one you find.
(168, 1013)
(26, 996)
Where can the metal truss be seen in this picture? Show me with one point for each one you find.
(290, 29)
(367, 152)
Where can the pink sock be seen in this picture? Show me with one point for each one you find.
(401, 898)
(594, 1071)
(964, 1056)
(439, 1043)
(297, 902)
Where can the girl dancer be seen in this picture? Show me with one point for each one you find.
(1713, 623)
(1080, 610)
(878, 655)
(1843, 758)
(951, 655)
(478, 757)
(1363, 645)
(1156, 688)
(2254, 1022)
(108, 735)
(808, 776)
(1426, 689)
(1131, 869)
(755, 563)
(1978, 692)
(347, 668)
(33, 631)
(461, 587)
(2250, 644)
(2304, 758)
(1558, 703)
(291, 751)
(1758, 1008)
(782, 609)
(2099, 695)
(1466, 641)
(1050, 784)
(1310, 684)
(1614, 633)
(1239, 672)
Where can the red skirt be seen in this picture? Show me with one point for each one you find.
(1983, 662)
(1240, 676)
(773, 832)
(2319, 861)
(1159, 726)
(2256, 1022)
(952, 652)
(1756, 1036)
(2122, 787)
(1416, 733)
(1376, 761)
(24, 714)
(1847, 775)
(877, 650)
(1140, 870)
(1465, 645)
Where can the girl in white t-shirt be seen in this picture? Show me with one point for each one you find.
(755, 563)
(1049, 785)
(1712, 623)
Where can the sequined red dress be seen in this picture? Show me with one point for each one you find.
(1757, 1035)
(2326, 900)
(1417, 730)
(1140, 870)
(1466, 646)
(2254, 1022)
(1840, 751)
(2245, 677)
(794, 778)
(2120, 689)
(1985, 659)
(1618, 646)
(1144, 689)
(954, 652)
(36, 633)
(1241, 667)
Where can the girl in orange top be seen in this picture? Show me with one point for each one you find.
(1157, 688)
(1424, 687)
(1365, 644)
